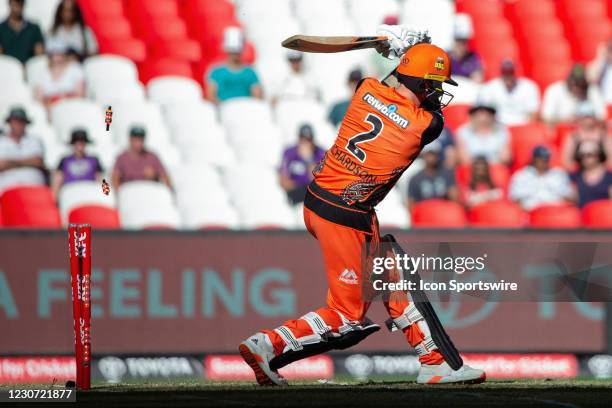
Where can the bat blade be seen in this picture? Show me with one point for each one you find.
(309, 43)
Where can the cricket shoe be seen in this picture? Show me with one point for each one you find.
(444, 374)
(257, 352)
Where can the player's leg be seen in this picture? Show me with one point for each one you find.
(413, 314)
(339, 325)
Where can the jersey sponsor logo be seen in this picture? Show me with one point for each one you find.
(390, 111)
(349, 276)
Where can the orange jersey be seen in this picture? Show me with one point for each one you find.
(380, 136)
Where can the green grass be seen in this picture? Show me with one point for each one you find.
(347, 393)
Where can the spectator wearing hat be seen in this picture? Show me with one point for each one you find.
(21, 154)
(298, 163)
(78, 166)
(593, 180)
(538, 184)
(62, 79)
(563, 98)
(19, 37)
(465, 62)
(434, 181)
(517, 100)
(296, 84)
(137, 163)
(587, 128)
(232, 79)
(69, 28)
(338, 110)
(483, 136)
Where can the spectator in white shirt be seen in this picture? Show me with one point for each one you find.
(63, 78)
(69, 28)
(296, 84)
(539, 184)
(484, 137)
(562, 99)
(517, 100)
(21, 155)
(600, 70)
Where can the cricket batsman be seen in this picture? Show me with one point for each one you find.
(383, 132)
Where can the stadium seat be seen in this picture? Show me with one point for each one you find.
(100, 217)
(41, 12)
(180, 48)
(29, 206)
(69, 114)
(167, 90)
(35, 68)
(590, 34)
(117, 93)
(12, 70)
(497, 214)
(438, 214)
(147, 204)
(456, 116)
(165, 67)
(130, 48)
(529, 9)
(82, 193)
(555, 216)
(292, 114)
(95, 9)
(524, 138)
(109, 69)
(391, 212)
(598, 214)
(478, 9)
(499, 174)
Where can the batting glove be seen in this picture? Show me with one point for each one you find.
(400, 39)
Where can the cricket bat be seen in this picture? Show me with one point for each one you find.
(310, 43)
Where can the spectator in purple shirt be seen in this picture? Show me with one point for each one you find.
(298, 163)
(137, 163)
(79, 166)
(464, 61)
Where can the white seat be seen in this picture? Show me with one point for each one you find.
(109, 69)
(35, 67)
(113, 94)
(292, 114)
(243, 113)
(435, 15)
(168, 90)
(12, 70)
(312, 9)
(41, 13)
(145, 114)
(15, 93)
(367, 14)
(204, 144)
(68, 114)
(147, 204)
(81, 193)
(197, 114)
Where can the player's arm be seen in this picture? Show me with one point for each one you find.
(433, 130)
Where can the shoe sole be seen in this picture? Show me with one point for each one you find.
(436, 380)
(251, 359)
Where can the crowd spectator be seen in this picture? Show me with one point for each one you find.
(481, 187)
(593, 181)
(298, 163)
(296, 84)
(21, 154)
(338, 110)
(448, 149)
(137, 163)
(434, 181)
(19, 37)
(78, 166)
(465, 62)
(588, 128)
(69, 28)
(483, 136)
(539, 184)
(233, 79)
(516, 100)
(563, 98)
(62, 79)
(599, 71)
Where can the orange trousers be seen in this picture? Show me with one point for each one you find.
(342, 249)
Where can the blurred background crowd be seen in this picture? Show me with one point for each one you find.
(217, 126)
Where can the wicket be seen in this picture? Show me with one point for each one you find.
(79, 239)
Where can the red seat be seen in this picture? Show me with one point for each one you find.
(456, 115)
(539, 9)
(598, 214)
(153, 29)
(541, 29)
(499, 174)
(438, 214)
(524, 138)
(480, 8)
(555, 216)
(217, 8)
(545, 74)
(585, 8)
(155, 7)
(111, 28)
(30, 206)
(590, 34)
(98, 216)
(130, 48)
(94, 9)
(165, 66)
(184, 49)
(500, 214)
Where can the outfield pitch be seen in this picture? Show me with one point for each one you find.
(496, 393)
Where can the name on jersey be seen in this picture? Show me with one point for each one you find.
(390, 111)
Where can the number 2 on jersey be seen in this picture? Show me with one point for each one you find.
(377, 127)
